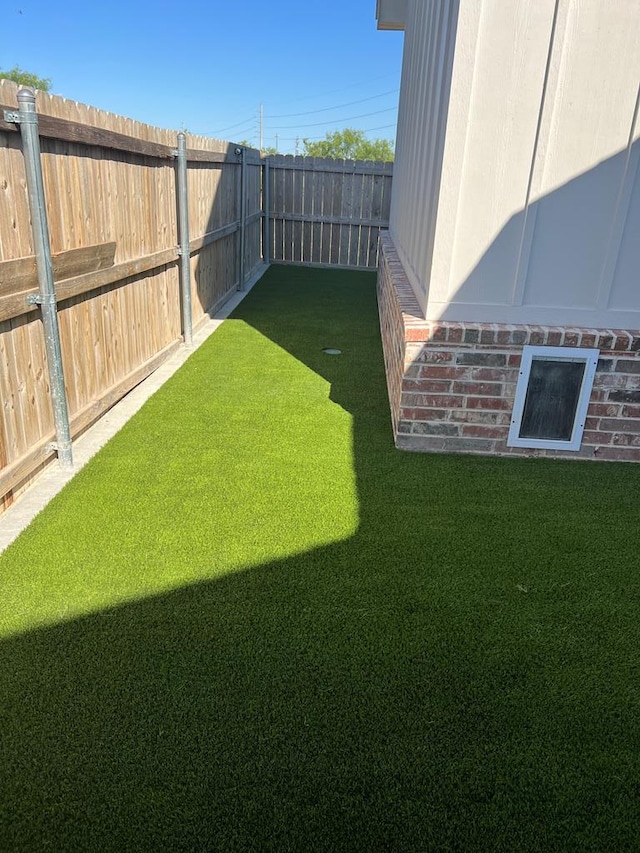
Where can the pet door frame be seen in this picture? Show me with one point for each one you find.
(531, 353)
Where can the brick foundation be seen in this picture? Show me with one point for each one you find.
(452, 385)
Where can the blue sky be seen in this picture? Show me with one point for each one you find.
(207, 66)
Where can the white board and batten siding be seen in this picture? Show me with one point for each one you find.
(516, 194)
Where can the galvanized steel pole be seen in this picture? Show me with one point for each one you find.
(243, 215)
(184, 250)
(266, 248)
(28, 121)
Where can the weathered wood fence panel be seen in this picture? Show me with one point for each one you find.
(110, 189)
(327, 212)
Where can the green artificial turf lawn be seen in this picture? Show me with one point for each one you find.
(251, 624)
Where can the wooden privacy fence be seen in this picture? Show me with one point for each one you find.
(326, 212)
(112, 188)
(111, 204)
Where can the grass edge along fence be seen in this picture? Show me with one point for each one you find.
(139, 234)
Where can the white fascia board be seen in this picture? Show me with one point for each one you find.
(391, 14)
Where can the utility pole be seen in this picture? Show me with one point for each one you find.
(261, 125)
(276, 143)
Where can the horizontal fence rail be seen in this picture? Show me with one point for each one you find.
(74, 131)
(327, 212)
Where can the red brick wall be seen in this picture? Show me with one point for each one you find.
(452, 385)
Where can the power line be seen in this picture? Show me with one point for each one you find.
(315, 138)
(231, 126)
(343, 89)
(333, 121)
(240, 130)
(242, 124)
(338, 106)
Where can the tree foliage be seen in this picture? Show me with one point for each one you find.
(26, 78)
(350, 144)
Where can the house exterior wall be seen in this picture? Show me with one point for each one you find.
(516, 193)
(422, 116)
(452, 384)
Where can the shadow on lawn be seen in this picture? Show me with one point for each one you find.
(376, 694)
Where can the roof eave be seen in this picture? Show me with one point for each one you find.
(391, 14)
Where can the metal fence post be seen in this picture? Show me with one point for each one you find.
(27, 118)
(266, 247)
(243, 215)
(184, 250)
